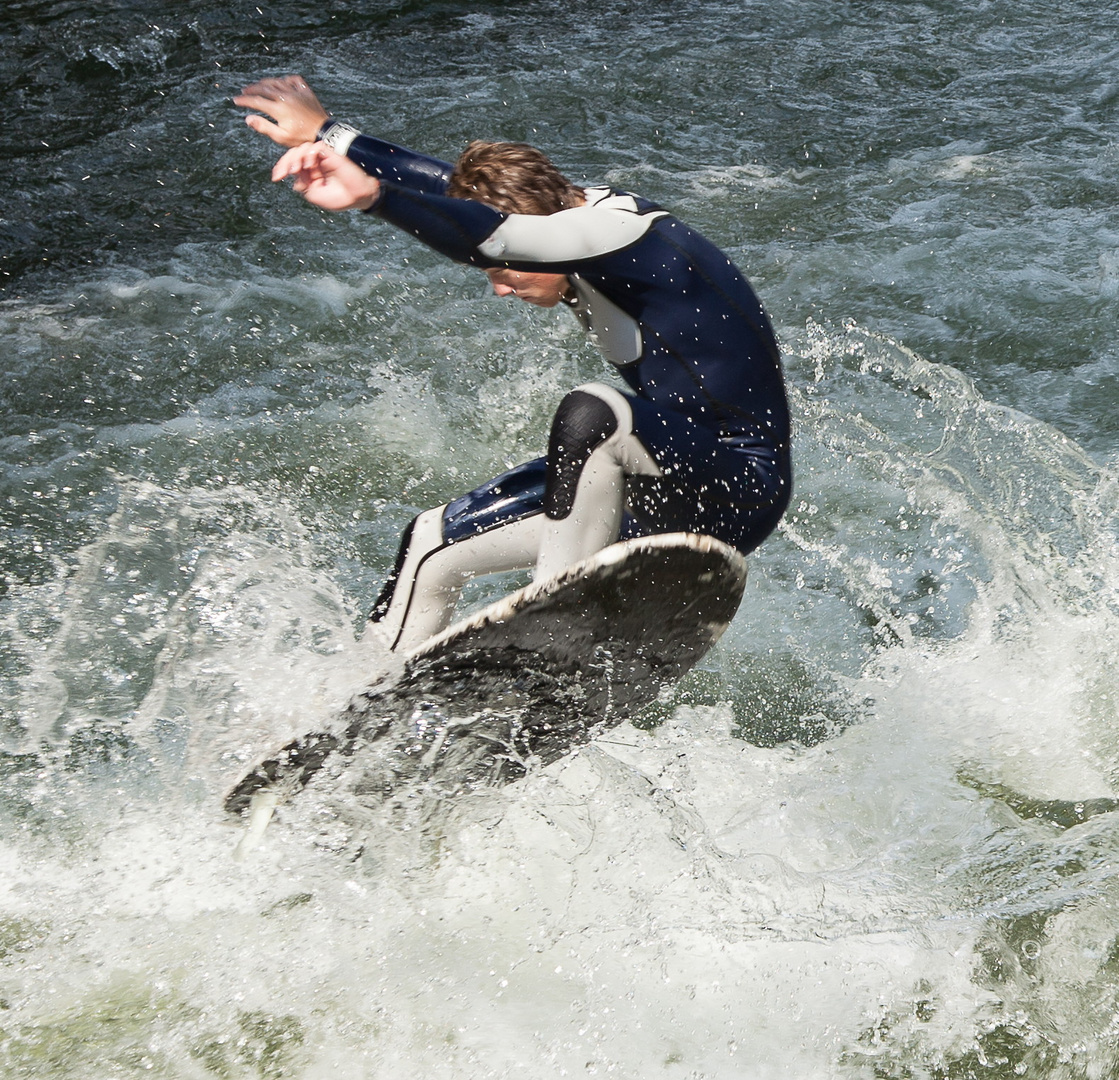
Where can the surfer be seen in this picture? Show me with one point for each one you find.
(699, 441)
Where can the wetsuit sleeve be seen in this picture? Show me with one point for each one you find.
(453, 227)
(475, 233)
(384, 160)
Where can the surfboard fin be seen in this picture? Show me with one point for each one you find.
(262, 805)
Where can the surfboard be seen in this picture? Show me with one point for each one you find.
(527, 679)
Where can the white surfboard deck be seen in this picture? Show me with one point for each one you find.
(528, 678)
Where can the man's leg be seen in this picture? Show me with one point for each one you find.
(592, 449)
(521, 518)
(432, 573)
(494, 528)
(608, 450)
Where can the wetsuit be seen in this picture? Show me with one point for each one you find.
(700, 444)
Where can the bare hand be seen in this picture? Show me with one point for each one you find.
(326, 179)
(296, 113)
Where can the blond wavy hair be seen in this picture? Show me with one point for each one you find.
(514, 178)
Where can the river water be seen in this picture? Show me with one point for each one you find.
(873, 837)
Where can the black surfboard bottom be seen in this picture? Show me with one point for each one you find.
(528, 678)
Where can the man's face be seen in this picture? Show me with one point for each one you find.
(543, 290)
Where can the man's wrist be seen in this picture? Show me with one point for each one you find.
(337, 135)
(375, 200)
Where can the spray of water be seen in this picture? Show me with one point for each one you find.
(871, 838)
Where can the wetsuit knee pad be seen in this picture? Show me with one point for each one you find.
(583, 422)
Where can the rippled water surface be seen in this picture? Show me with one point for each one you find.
(874, 836)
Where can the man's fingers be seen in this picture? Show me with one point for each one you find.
(254, 101)
(273, 89)
(285, 164)
(259, 123)
(298, 159)
(278, 133)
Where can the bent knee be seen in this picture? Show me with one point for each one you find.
(585, 419)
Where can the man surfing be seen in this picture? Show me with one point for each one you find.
(699, 442)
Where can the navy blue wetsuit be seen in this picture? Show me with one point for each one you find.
(673, 314)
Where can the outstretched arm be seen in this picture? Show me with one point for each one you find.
(296, 114)
(327, 179)
(561, 243)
